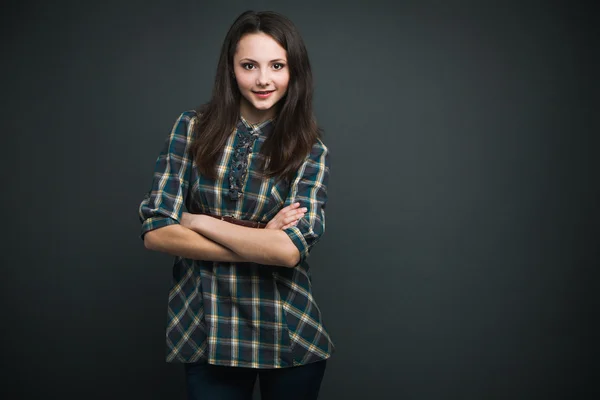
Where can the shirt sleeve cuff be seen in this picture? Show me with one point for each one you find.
(155, 223)
(297, 238)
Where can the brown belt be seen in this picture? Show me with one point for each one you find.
(241, 222)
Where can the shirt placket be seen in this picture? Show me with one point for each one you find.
(239, 167)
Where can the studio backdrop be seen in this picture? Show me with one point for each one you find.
(462, 231)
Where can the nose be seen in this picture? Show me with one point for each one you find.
(263, 78)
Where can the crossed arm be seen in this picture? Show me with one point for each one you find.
(165, 228)
(202, 237)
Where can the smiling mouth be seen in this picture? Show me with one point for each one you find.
(263, 92)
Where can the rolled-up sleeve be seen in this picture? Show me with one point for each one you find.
(309, 188)
(162, 205)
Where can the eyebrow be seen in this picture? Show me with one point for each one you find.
(254, 61)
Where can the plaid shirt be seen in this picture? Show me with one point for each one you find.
(248, 315)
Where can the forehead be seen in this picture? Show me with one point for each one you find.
(260, 47)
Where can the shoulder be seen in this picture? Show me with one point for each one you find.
(320, 145)
(317, 161)
(319, 151)
(190, 116)
(185, 124)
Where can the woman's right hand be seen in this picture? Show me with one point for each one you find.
(287, 217)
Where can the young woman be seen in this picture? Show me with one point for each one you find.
(241, 304)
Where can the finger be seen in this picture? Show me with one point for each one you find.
(288, 226)
(296, 212)
(289, 220)
(281, 212)
(294, 217)
(284, 209)
(290, 207)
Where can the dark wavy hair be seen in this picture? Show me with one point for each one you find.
(295, 130)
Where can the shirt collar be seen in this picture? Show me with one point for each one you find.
(264, 127)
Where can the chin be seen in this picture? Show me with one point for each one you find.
(262, 106)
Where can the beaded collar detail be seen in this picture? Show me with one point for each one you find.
(238, 168)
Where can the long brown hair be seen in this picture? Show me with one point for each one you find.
(295, 130)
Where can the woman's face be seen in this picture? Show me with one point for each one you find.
(262, 74)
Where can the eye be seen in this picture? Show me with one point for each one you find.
(248, 66)
(278, 66)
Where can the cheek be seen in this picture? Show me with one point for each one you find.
(283, 81)
(244, 80)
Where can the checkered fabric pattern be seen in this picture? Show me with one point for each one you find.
(240, 314)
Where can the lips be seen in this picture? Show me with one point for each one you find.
(263, 94)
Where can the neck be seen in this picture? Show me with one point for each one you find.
(254, 116)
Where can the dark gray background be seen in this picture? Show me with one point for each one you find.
(462, 234)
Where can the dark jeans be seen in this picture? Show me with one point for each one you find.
(211, 382)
